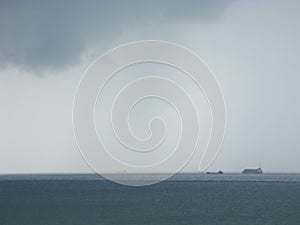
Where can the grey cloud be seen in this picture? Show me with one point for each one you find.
(39, 35)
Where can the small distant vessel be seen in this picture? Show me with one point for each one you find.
(253, 171)
(219, 172)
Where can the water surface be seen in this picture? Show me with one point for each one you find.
(184, 199)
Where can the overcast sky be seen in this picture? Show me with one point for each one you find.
(253, 48)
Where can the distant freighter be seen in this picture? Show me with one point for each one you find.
(258, 170)
(219, 172)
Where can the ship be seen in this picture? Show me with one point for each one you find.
(219, 172)
(251, 171)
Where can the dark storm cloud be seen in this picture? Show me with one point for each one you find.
(51, 35)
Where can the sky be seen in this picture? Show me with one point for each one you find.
(252, 47)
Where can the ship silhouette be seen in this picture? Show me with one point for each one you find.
(219, 172)
(255, 171)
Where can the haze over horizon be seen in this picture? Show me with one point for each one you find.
(253, 48)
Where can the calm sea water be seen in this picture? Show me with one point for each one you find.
(188, 199)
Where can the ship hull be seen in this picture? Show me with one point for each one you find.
(253, 171)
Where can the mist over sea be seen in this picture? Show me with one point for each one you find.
(227, 199)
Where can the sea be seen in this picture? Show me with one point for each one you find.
(185, 199)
